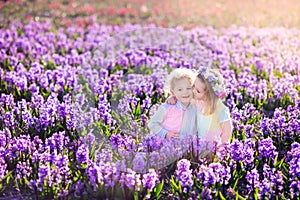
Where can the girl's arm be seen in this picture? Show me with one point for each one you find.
(226, 128)
(226, 125)
(172, 134)
(154, 123)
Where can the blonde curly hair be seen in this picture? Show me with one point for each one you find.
(177, 74)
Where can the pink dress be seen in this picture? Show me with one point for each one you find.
(174, 118)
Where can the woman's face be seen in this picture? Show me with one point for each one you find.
(199, 89)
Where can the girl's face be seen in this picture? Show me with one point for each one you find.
(199, 89)
(183, 91)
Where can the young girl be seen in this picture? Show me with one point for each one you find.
(178, 119)
(213, 117)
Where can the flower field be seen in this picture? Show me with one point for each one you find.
(75, 101)
(74, 104)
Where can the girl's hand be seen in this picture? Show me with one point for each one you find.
(171, 100)
(172, 134)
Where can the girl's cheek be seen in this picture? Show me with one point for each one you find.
(199, 96)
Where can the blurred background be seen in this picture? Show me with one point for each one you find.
(187, 13)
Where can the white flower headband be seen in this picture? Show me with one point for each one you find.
(214, 77)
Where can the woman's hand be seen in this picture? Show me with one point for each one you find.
(171, 100)
(172, 134)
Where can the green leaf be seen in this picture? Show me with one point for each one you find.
(174, 184)
(221, 196)
(243, 135)
(278, 164)
(96, 98)
(284, 176)
(92, 152)
(138, 110)
(136, 196)
(18, 91)
(159, 196)
(7, 177)
(286, 169)
(234, 172)
(255, 195)
(238, 196)
(235, 184)
(158, 189)
(282, 196)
